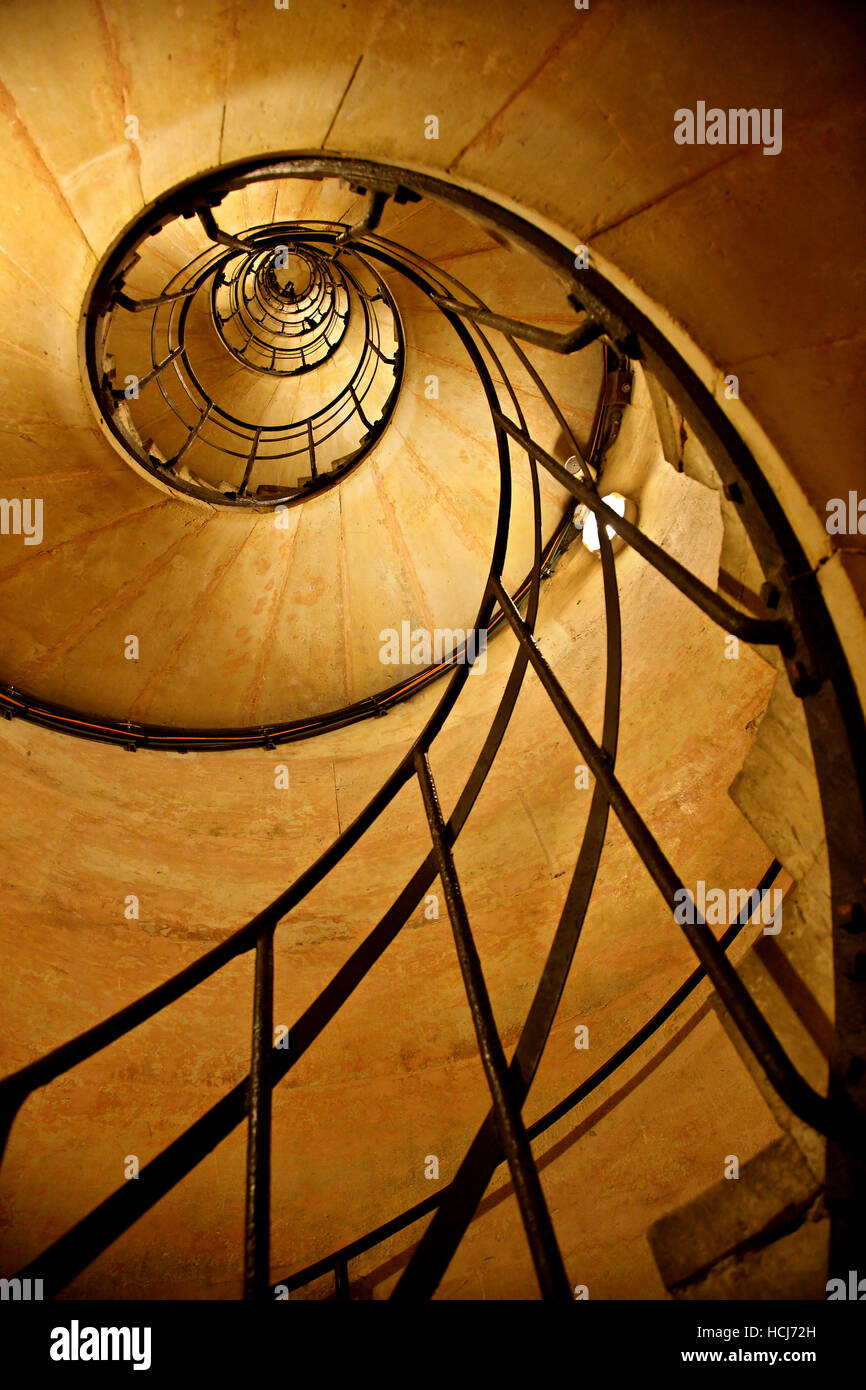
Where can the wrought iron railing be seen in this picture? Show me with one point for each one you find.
(267, 322)
(795, 622)
(313, 238)
(202, 447)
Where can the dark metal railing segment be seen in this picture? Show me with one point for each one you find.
(503, 1136)
(135, 736)
(360, 1246)
(258, 1188)
(273, 330)
(268, 330)
(506, 1106)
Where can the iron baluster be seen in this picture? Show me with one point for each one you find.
(257, 1242)
(512, 1135)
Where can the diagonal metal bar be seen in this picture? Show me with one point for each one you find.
(449, 1224)
(192, 436)
(389, 361)
(512, 1135)
(154, 372)
(369, 220)
(209, 222)
(410, 1215)
(652, 1025)
(257, 1236)
(135, 306)
(251, 458)
(359, 407)
(794, 1090)
(460, 1200)
(768, 631)
(578, 338)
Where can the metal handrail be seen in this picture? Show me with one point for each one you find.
(838, 1115)
(184, 392)
(15, 703)
(307, 346)
(288, 1283)
(327, 419)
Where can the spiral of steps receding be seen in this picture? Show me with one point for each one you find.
(257, 588)
(404, 538)
(260, 393)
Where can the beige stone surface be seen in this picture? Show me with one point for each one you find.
(751, 263)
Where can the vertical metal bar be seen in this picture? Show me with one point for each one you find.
(191, 437)
(806, 1103)
(442, 1236)
(359, 408)
(250, 461)
(312, 443)
(341, 1280)
(257, 1240)
(515, 1145)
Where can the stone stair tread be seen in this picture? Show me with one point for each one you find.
(772, 1193)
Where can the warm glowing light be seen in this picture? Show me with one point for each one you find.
(616, 502)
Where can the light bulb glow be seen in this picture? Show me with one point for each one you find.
(616, 502)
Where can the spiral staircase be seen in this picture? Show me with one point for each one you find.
(288, 400)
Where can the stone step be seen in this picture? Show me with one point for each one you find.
(702, 1244)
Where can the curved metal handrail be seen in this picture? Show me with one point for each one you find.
(323, 306)
(338, 1260)
(209, 425)
(819, 677)
(16, 703)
